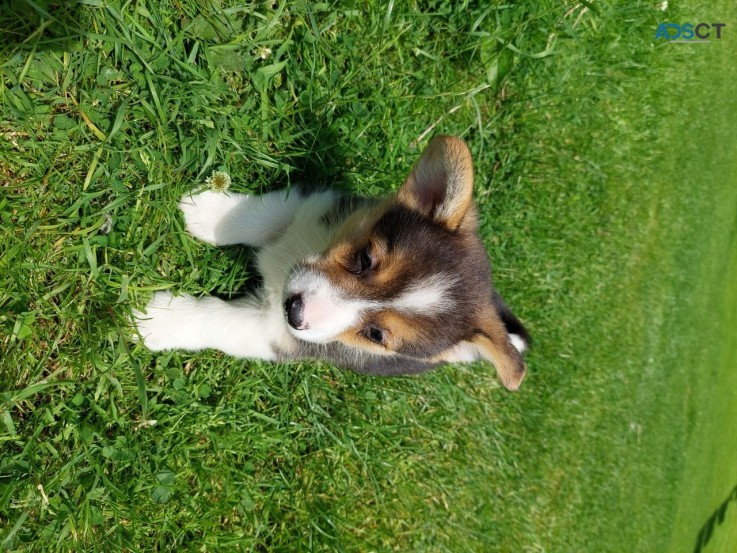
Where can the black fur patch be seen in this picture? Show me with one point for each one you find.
(343, 208)
(511, 322)
(355, 359)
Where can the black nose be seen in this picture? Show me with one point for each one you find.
(293, 308)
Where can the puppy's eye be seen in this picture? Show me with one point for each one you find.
(374, 334)
(364, 260)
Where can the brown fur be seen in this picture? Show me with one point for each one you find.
(428, 229)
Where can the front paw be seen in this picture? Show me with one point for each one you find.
(205, 213)
(161, 325)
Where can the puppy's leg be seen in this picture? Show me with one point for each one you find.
(241, 328)
(228, 218)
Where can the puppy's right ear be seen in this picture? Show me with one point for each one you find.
(495, 345)
(497, 341)
(441, 184)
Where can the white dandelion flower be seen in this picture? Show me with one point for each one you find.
(219, 181)
(263, 53)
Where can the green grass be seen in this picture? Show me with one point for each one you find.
(606, 182)
(710, 389)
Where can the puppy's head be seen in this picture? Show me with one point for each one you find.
(410, 276)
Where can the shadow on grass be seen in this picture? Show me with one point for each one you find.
(319, 163)
(322, 160)
(41, 25)
(717, 517)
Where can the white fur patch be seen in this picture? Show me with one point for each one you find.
(326, 313)
(426, 296)
(240, 328)
(228, 218)
(518, 342)
(303, 237)
(463, 352)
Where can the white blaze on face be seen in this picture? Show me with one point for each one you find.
(429, 295)
(326, 313)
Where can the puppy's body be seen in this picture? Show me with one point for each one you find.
(382, 286)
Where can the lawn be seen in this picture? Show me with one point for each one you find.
(606, 178)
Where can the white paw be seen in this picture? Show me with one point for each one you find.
(161, 324)
(206, 214)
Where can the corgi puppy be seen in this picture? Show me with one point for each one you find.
(388, 286)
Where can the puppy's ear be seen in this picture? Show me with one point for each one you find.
(441, 184)
(494, 344)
